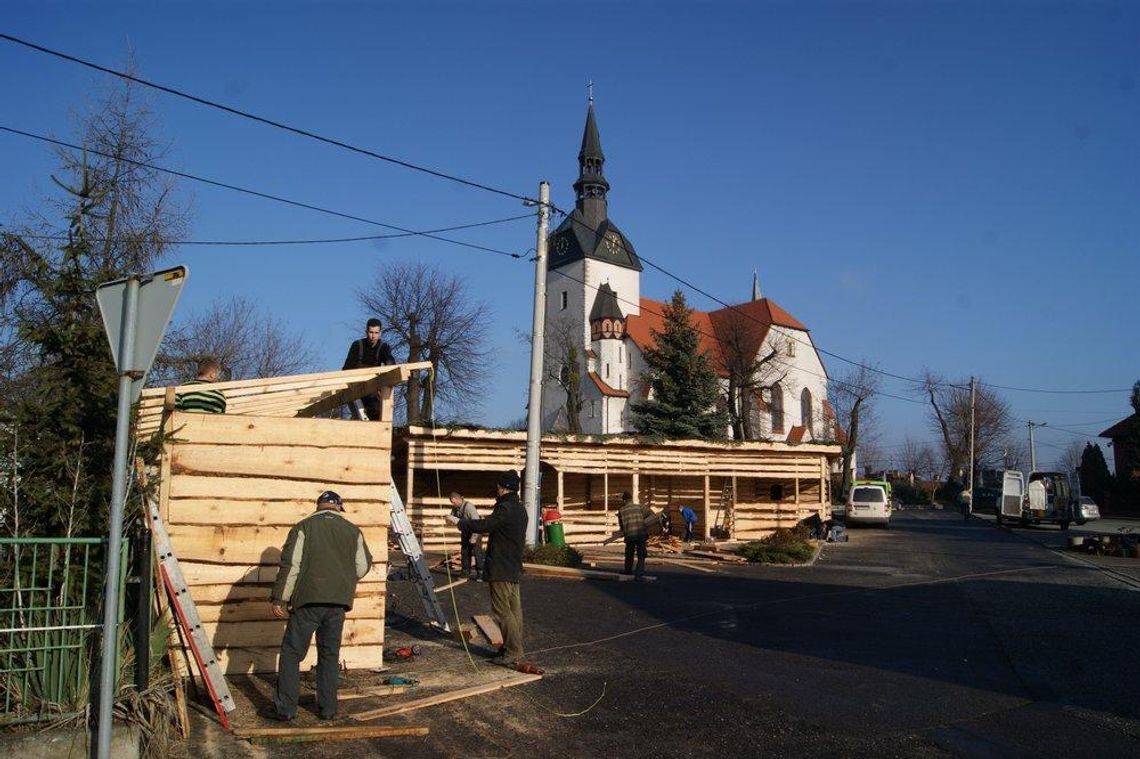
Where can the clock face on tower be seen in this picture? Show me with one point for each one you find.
(613, 243)
(561, 245)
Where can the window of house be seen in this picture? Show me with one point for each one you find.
(565, 300)
(607, 371)
(791, 347)
(777, 408)
(806, 409)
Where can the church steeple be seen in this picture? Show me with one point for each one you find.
(591, 187)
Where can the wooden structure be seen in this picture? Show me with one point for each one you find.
(233, 484)
(742, 491)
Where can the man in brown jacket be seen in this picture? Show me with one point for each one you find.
(631, 520)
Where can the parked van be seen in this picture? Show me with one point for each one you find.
(1048, 498)
(869, 502)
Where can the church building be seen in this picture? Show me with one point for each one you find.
(594, 305)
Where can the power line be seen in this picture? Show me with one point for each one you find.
(262, 119)
(240, 243)
(257, 194)
(477, 185)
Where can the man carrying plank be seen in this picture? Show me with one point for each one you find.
(323, 558)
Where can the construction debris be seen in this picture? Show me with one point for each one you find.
(490, 630)
(443, 698)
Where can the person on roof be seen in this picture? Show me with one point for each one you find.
(205, 400)
(369, 350)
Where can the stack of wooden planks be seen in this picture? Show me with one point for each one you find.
(233, 486)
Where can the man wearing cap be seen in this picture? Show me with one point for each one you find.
(502, 566)
(369, 351)
(323, 558)
(631, 520)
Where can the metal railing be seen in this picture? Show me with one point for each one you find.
(49, 623)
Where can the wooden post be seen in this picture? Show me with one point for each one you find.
(636, 485)
(705, 516)
(606, 489)
(560, 497)
(386, 406)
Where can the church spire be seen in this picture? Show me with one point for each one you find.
(755, 285)
(591, 187)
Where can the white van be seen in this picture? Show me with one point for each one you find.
(868, 504)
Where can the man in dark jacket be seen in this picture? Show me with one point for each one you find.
(323, 558)
(631, 520)
(369, 351)
(502, 565)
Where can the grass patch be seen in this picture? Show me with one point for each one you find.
(784, 546)
(552, 555)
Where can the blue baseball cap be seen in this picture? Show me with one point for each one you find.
(330, 497)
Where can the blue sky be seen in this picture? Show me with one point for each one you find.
(943, 185)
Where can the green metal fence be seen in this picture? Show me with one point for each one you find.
(49, 624)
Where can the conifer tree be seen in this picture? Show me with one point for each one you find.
(685, 389)
(1095, 478)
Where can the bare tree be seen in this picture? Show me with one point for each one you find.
(750, 364)
(433, 318)
(1069, 460)
(852, 397)
(950, 419)
(247, 341)
(930, 467)
(564, 366)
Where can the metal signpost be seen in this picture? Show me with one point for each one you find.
(136, 312)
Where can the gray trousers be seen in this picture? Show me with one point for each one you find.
(328, 624)
(506, 607)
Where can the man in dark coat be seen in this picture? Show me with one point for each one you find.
(502, 566)
(369, 351)
(323, 558)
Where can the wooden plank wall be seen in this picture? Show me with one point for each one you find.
(669, 476)
(236, 485)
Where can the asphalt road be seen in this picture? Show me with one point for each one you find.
(937, 637)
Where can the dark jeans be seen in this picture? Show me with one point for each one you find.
(638, 544)
(471, 553)
(688, 531)
(328, 623)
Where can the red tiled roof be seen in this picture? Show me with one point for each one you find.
(590, 353)
(758, 399)
(796, 435)
(840, 435)
(754, 316)
(651, 319)
(605, 389)
(828, 411)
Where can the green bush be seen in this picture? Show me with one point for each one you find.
(784, 546)
(552, 555)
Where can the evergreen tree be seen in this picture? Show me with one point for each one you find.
(685, 389)
(1095, 478)
(62, 407)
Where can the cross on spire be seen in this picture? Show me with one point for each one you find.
(590, 92)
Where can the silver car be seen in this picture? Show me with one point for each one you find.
(1087, 510)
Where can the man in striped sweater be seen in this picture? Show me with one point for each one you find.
(206, 400)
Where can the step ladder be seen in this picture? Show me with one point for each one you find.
(186, 615)
(417, 567)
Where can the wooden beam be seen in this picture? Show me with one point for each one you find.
(450, 585)
(310, 734)
(490, 629)
(386, 404)
(354, 391)
(443, 698)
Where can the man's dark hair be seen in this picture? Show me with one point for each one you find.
(373, 322)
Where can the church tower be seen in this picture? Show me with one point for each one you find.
(592, 286)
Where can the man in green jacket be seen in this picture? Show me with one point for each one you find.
(323, 558)
(503, 563)
(631, 520)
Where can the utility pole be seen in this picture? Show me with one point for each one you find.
(534, 403)
(1032, 446)
(970, 478)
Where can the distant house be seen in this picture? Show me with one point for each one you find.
(1123, 445)
(593, 293)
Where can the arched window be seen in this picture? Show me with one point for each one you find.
(805, 409)
(777, 406)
